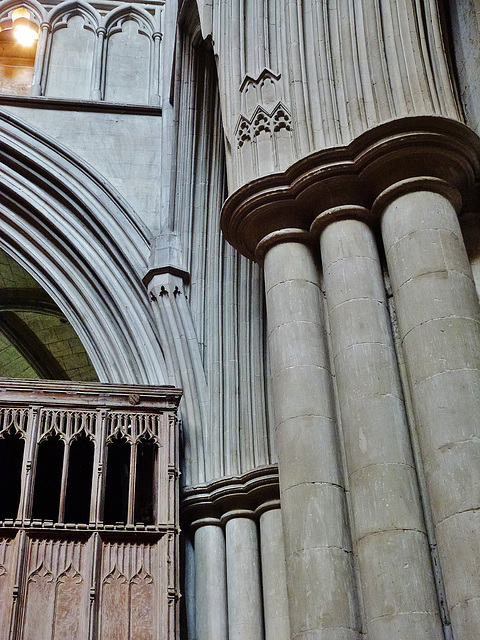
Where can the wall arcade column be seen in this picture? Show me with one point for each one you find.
(439, 326)
(320, 579)
(393, 555)
(38, 69)
(96, 91)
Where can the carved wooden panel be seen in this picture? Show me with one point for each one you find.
(133, 426)
(57, 587)
(8, 554)
(130, 593)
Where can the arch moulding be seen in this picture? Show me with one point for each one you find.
(77, 237)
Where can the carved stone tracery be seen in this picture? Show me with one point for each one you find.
(263, 121)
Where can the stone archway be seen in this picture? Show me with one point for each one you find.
(82, 243)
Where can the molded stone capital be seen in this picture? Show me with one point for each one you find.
(248, 495)
(435, 185)
(204, 522)
(347, 212)
(277, 237)
(425, 148)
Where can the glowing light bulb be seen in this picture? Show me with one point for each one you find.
(25, 31)
(21, 12)
(24, 35)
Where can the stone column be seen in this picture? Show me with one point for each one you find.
(245, 617)
(275, 601)
(96, 92)
(156, 70)
(211, 620)
(394, 562)
(439, 326)
(40, 57)
(320, 583)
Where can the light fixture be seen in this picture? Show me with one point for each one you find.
(25, 31)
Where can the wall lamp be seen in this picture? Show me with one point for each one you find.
(25, 30)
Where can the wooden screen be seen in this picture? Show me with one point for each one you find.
(89, 531)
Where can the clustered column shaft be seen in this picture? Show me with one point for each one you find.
(211, 583)
(320, 580)
(245, 619)
(392, 548)
(240, 588)
(439, 326)
(275, 601)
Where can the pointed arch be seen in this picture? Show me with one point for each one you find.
(32, 5)
(74, 7)
(72, 232)
(129, 12)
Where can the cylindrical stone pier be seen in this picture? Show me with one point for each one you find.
(245, 615)
(211, 620)
(320, 582)
(275, 601)
(396, 574)
(439, 326)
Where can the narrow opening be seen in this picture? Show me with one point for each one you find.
(48, 479)
(144, 486)
(16, 64)
(11, 457)
(116, 486)
(79, 482)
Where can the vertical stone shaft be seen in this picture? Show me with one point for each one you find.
(37, 89)
(275, 601)
(320, 582)
(393, 555)
(245, 617)
(96, 80)
(439, 325)
(211, 584)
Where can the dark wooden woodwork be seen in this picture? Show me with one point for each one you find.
(64, 571)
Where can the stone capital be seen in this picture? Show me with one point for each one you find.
(421, 183)
(245, 496)
(437, 150)
(346, 212)
(278, 237)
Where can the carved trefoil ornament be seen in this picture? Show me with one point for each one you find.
(263, 121)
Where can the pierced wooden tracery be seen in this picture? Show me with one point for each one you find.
(13, 418)
(133, 426)
(67, 423)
